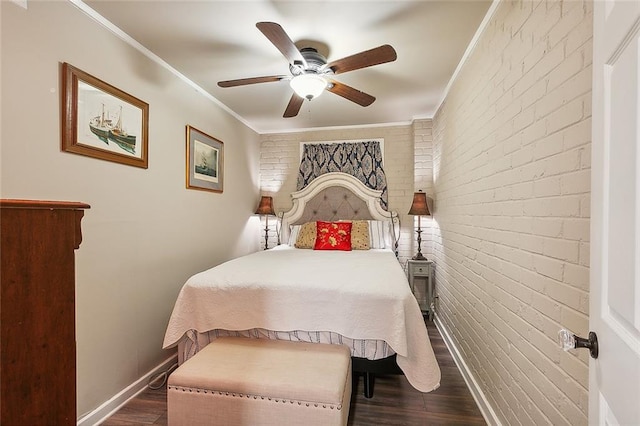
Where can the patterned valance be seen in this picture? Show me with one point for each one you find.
(363, 160)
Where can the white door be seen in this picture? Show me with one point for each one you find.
(614, 377)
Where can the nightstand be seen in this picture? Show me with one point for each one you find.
(422, 270)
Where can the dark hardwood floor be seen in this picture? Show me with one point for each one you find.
(395, 401)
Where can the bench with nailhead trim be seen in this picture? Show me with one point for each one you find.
(243, 381)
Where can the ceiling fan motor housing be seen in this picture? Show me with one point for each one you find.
(315, 63)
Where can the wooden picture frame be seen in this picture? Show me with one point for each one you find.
(102, 121)
(205, 161)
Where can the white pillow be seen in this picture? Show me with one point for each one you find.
(293, 235)
(379, 234)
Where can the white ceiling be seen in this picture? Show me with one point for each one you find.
(210, 41)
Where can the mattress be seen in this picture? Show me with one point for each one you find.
(359, 295)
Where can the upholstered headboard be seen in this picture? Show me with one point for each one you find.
(335, 196)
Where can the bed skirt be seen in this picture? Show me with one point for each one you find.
(192, 341)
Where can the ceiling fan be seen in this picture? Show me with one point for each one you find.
(311, 75)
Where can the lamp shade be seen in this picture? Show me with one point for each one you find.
(266, 206)
(419, 206)
(308, 85)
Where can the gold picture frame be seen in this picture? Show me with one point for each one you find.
(205, 161)
(101, 121)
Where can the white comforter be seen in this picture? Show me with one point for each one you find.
(358, 294)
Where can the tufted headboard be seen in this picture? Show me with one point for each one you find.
(335, 196)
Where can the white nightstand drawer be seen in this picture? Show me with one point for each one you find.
(421, 271)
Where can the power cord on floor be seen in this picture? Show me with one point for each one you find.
(162, 375)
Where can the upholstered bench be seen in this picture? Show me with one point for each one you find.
(242, 381)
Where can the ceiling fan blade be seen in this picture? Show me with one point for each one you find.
(375, 56)
(348, 92)
(276, 35)
(295, 103)
(251, 80)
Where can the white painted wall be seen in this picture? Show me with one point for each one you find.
(512, 155)
(145, 234)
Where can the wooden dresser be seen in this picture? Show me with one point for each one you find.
(38, 348)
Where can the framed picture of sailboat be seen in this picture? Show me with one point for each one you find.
(205, 161)
(101, 121)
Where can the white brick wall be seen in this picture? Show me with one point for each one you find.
(511, 182)
(423, 180)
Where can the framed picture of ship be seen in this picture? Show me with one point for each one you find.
(102, 121)
(205, 161)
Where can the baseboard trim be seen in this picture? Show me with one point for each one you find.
(481, 400)
(109, 407)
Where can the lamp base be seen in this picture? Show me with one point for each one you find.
(266, 238)
(418, 256)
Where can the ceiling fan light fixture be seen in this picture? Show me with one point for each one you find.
(308, 85)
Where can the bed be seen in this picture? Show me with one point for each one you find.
(359, 298)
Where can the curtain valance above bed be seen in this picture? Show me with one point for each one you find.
(363, 160)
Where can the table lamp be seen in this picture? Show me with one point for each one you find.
(419, 208)
(265, 207)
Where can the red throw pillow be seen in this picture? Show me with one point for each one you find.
(333, 236)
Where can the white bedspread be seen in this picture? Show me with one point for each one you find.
(361, 294)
